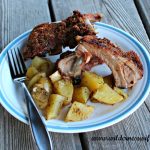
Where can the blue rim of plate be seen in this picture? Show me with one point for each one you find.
(85, 128)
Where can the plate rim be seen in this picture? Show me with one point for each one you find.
(104, 124)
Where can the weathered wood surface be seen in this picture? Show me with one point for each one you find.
(143, 7)
(19, 16)
(122, 14)
(16, 17)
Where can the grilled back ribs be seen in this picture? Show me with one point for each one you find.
(50, 37)
(77, 29)
(126, 67)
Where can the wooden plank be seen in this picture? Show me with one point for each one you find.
(66, 141)
(136, 125)
(16, 134)
(120, 14)
(1, 128)
(16, 17)
(147, 102)
(143, 7)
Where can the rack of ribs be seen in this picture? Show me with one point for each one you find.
(77, 30)
(51, 37)
(126, 67)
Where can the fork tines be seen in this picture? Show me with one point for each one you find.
(16, 63)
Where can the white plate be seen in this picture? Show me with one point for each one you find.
(11, 95)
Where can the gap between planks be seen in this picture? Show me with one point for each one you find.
(143, 8)
(51, 11)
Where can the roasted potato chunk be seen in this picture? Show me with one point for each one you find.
(40, 95)
(54, 106)
(107, 95)
(31, 72)
(40, 67)
(81, 94)
(35, 79)
(41, 92)
(47, 85)
(55, 76)
(47, 67)
(121, 92)
(91, 80)
(64, 88)
(78, 112)
(37, 62)
(43, 65)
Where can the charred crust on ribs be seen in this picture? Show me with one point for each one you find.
(66, 54)
(51, 37)
(115, 50)
(45, 38)
(134, 57)
(78, 24)
(101, 43)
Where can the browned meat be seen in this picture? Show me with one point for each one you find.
(93, 17)
(50, 37)
(44, 38)
(79, 24)
(126, 66)
(69, 65)
(94, 61)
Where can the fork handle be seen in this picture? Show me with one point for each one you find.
(38, 128)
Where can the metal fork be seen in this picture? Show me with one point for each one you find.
(38, 128)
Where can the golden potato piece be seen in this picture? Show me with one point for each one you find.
(47, 85)
(31, 72)
(78, 112)
(55, 76)
(35, 79)
(81, 94)
(64, 88)
(43, 65)
(121, 92)
(107, 95)
(47, 67)
(91, 80)
(38, 61)
(54, 106)
(40, 95)
(41, 92)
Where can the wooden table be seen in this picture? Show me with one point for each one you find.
(18, 16)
